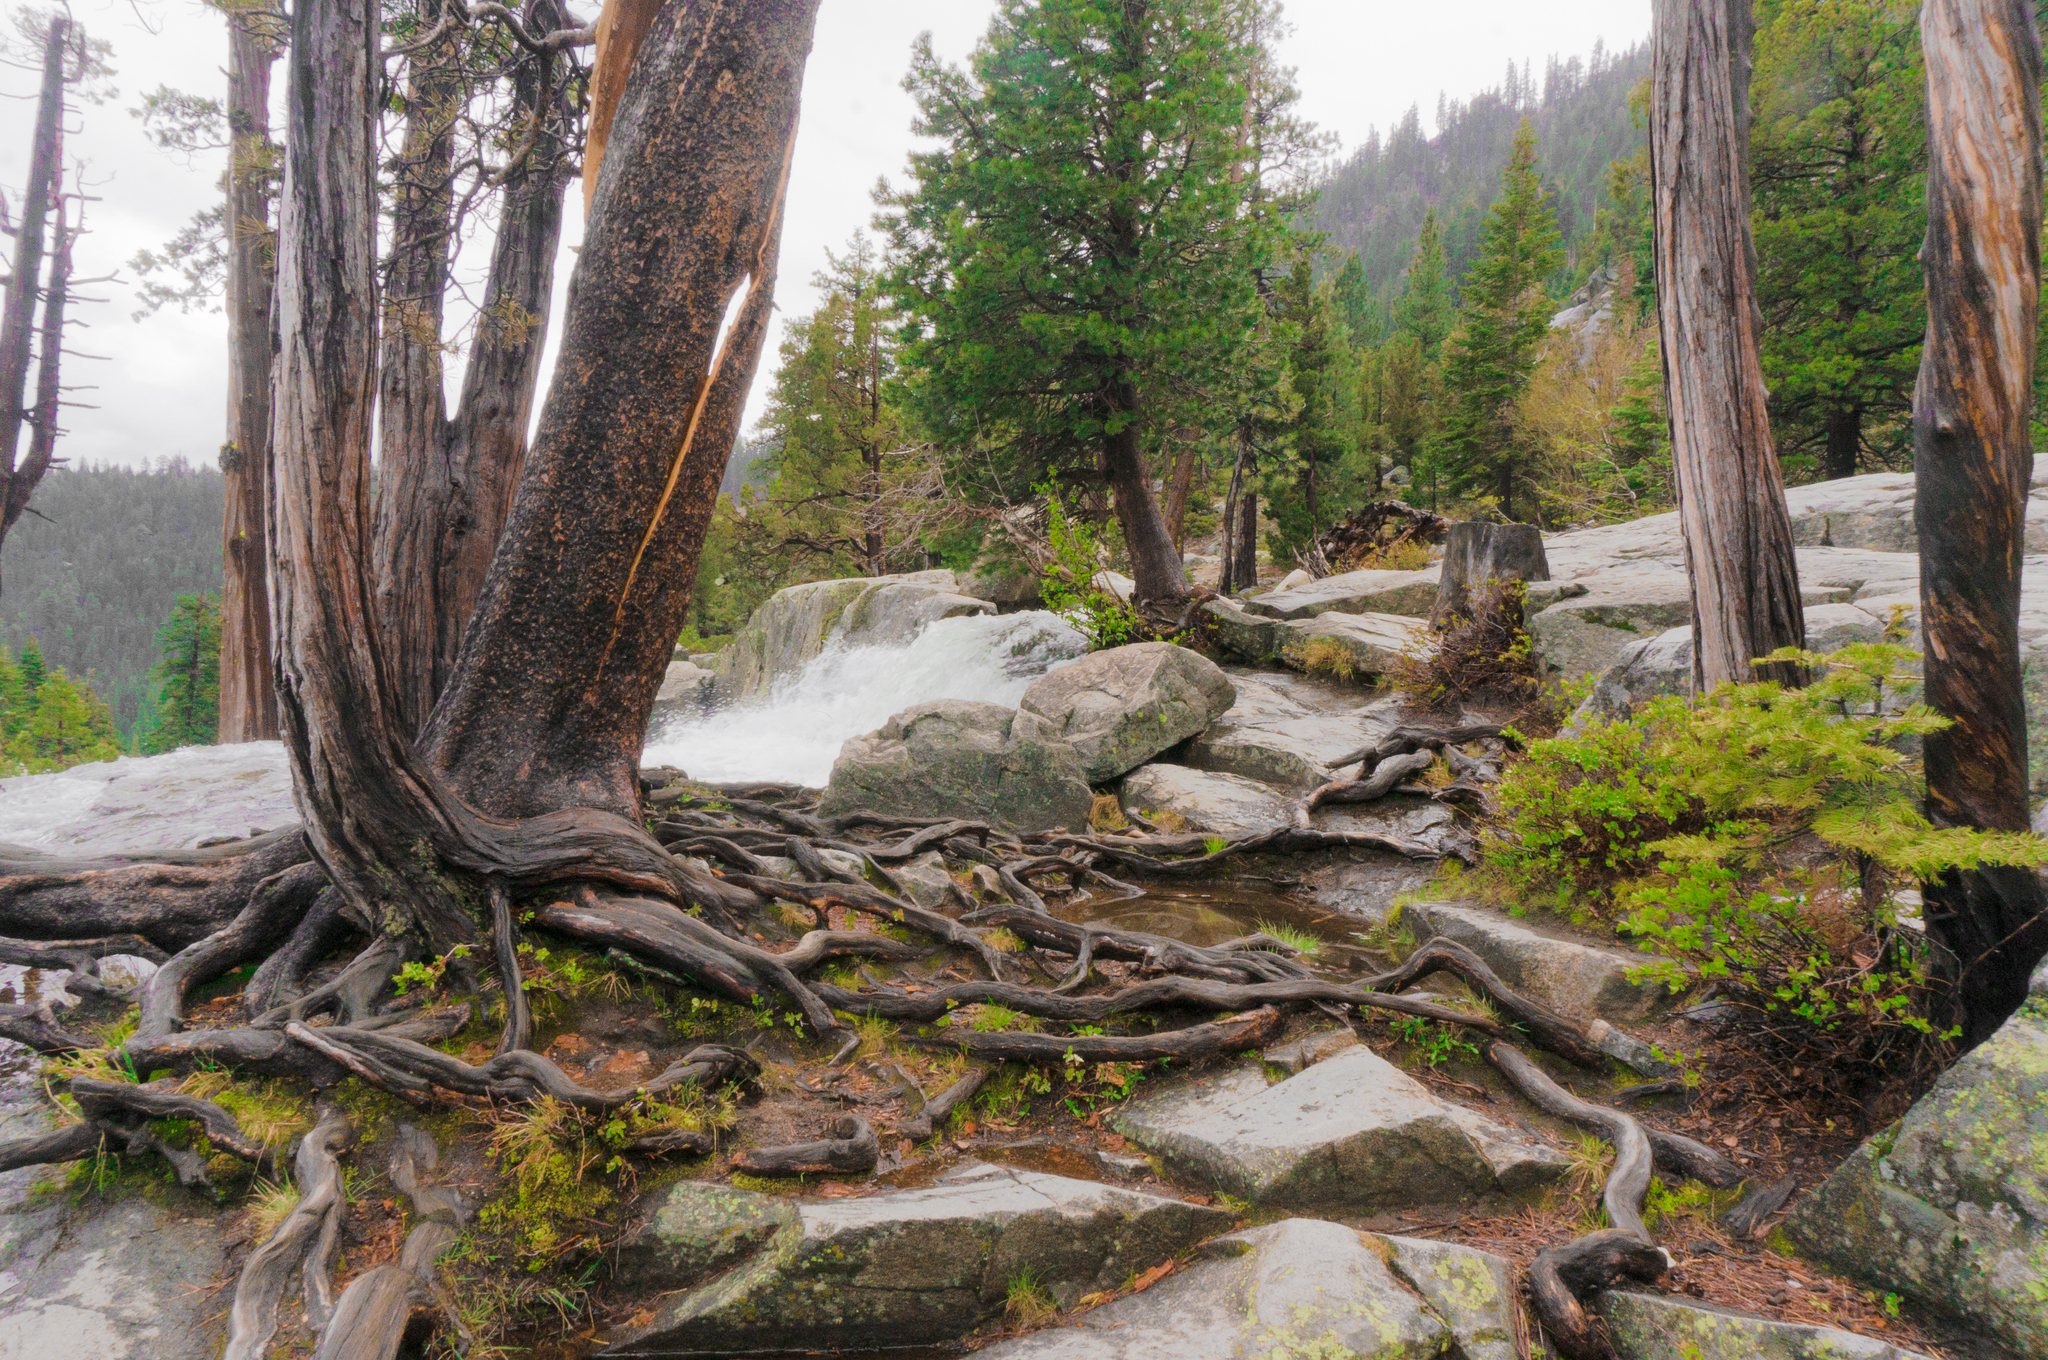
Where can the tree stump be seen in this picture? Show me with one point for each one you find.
(1475, 553)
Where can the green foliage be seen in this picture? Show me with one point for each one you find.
(427, 975)
(1317, 479)
(188, 700)
(1294, 937)
(1489, 359)
(546, 1154)
(1433, 1041)
(1426, 312)
(1069, 584)
(49, 721)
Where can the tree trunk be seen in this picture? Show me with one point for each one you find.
(1229, 581)
(412, 418)
(1476, 553)
(1731, 495)
(1845, 441)
(24, 285)
(1155, 563)
(439, 525)
(248, 695)
(1974, 459)
(1247, 572)
(1185, 460)
(549, 703)
(42, 440)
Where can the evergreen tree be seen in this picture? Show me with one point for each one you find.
(1838, 158)
(188, 702)
(1313, 484)
(1352, 292)
(1488, 361)
(1397, 405)
(68, 725)
(1425, 312)
(1079, 255)
(33, 672)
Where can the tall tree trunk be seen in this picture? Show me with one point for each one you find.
(24, 286)
(548, 706)
(1731, 494)
(1845, 441)
(1247, 573)
(1185, 460)
(412, 418)
(1155, 564)
(42, 440)
(1228, 582)
(464, 491)
(1973, 456)
(248, 695)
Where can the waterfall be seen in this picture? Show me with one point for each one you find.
(796, 732)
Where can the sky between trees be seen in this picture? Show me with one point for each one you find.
(1362, 63)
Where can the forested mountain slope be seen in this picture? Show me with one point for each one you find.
(1374, 202)
(93, 571)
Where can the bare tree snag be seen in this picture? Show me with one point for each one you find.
(248, 698)
(1974, 458)
(1476, 553)
(549, 702)
(1731, 494)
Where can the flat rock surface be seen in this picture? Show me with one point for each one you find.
(1368, 644)
(1271, 736)
(1352, 1131)
(1412, 593)
(1227, 804)
(1652, 1327)
(915, 1266)
(138, 804)
(126, 1280)
(1298, 1289)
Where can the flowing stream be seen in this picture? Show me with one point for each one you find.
(795, 733)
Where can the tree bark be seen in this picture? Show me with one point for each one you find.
(557, 675)
(1477, 553)
(1845, 442)
(1731, 494)
(24, 284)
(442, 506)
(1247, 572)
(1155, 564)
(1230, 581)
(1974, 458)
(248, 697)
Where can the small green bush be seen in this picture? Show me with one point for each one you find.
(1067, 584)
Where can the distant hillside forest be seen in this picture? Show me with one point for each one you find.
(92, 573)
(1374, 202)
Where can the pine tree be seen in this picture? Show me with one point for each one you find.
(1308, 490)
(1425, 311)
(1488, 361)
(1352, 292)
(188, 704)
(70, 725)
(33, 672)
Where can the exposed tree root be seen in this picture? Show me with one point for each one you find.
(82, 957)
(36, 1027)
(1550, 1030)
(374, 1311)
(937, 1110)
(252, 1319)
(851, 1148)
(1254, 1030)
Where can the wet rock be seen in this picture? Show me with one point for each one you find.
(1583, 980)
(795, 624)
(1290, 1290)
(926, 880)
(691, 1231)
(112, 1281)
(1296, 1054)
(1121, 707)
(1949, 1206)
(1271, 738)
(1653, 1327)
(956, 758)
(138, 804)
(685, 689)
(1353, 645)
(918, 1266)
(1410, 593)
(1228, 805)
(1472, 1291)
(1352, 1131)
(1244, 635)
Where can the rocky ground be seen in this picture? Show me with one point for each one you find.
(1367, 1187)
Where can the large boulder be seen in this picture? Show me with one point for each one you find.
(121, 1280)
(1121, 707)
(958, 758)
(1351, 1133)
(685, 689)
(1355, 646)
(1301, 1289)
(1271, 736)
(794, 625)
(1226, 804)
(1949, 1206)
(914, 1267)
(1371, 591)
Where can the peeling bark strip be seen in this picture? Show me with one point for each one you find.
(248, 692)
(1731, 495)
(1974, 459)
(591, 582)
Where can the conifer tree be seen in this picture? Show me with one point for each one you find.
(1352, 292)
(69, 725)
(1424, 310)
(33, 672)
(1488, 361)
(1306, 492)
(188, 704)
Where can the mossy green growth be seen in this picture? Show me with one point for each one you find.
(547, 1156)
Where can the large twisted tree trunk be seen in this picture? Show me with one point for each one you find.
(548, 705)
(1974, 458)
(248, 695)
(1731, 495)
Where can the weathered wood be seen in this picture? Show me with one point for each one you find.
(252, 1318)
(1973, 456)
(851, 1148)
(39, 204)
(372, 1316)
(939, 1108)
(1731, 494)
(557, 673)
(1560, 1277)
(1549, 1029)
(1749, 1218)
(276, 905)
(1477, 554)
(1251, 1030)
(248, 697)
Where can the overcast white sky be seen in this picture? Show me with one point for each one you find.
(1361, 64)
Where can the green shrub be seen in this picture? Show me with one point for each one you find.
(1067, 584)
